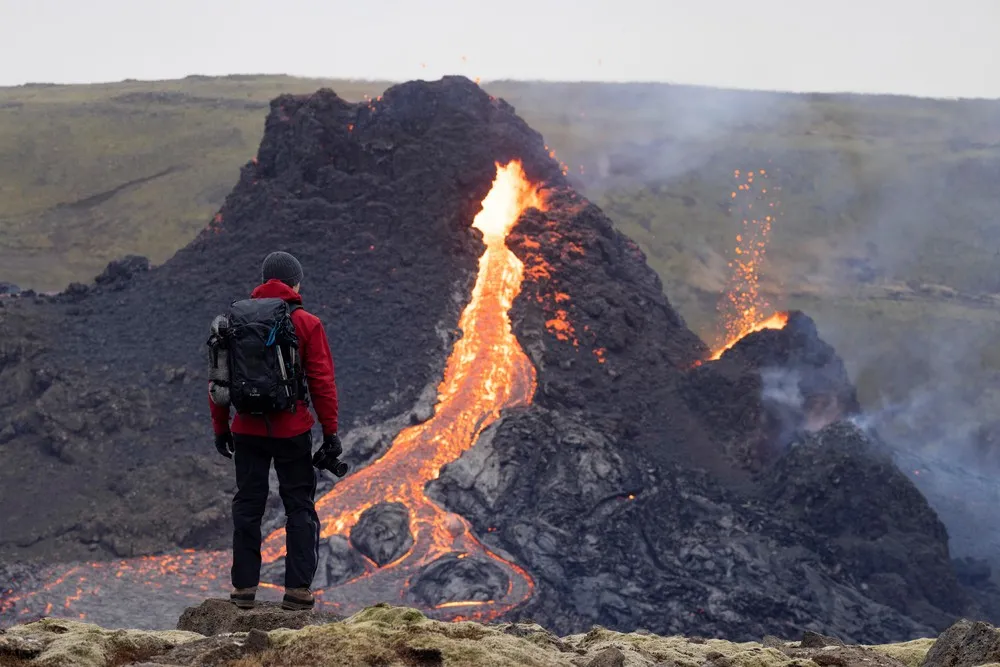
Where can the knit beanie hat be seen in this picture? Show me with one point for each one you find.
(282, 266)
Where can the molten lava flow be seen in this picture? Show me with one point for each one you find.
(486, 372)
(743, 308)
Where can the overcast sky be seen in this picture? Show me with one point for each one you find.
(939, 48)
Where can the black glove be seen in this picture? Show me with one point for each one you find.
(224, 443)
(326, 457)
(331, 447)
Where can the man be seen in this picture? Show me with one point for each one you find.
(286, 438)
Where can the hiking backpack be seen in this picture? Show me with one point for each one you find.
(254, 364)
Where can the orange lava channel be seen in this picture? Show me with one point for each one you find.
(486, 372)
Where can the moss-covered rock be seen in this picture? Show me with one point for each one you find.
(911, 653)
(388, 636)
(66, 643)
(400, 636)
(217, 617)
(649, 649)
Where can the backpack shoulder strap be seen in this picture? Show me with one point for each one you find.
(292, 307)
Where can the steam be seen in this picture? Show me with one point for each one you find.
(933, 410)
(782, 399)
(781, 387)
(939, 455)
(671, 131)
(930, 404)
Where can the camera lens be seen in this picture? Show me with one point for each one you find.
(339, 468)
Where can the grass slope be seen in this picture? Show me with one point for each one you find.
(88, 173)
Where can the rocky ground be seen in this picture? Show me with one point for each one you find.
(217, 634)
(644, 487)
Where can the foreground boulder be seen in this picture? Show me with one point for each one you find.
(65, 643)
(965, 644)
(216, 617)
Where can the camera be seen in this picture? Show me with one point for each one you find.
(325, 460)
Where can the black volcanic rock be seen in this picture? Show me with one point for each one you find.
(9, 289)
(772, 387)
(121, 271)
(879, 528)
(338, 562)
(593, 318)
(453, 579)
(613, 540)
(797, 350)
(382, 532)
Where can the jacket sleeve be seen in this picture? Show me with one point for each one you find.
(317, 360)
(220, 417)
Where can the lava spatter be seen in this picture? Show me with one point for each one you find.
(743, 308)
(486, 372)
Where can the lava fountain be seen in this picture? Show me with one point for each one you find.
(486, 373)
(743, 306)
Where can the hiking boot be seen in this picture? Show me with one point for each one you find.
(244, 598)
(297, 599)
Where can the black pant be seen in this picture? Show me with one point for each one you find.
(297, 488)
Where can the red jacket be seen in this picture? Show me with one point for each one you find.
(317, 362)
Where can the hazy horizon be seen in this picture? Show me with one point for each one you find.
(918, 48)
(482, 81)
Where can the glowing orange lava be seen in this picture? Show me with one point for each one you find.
(744, 308)
(776, 321)
(486, 372)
